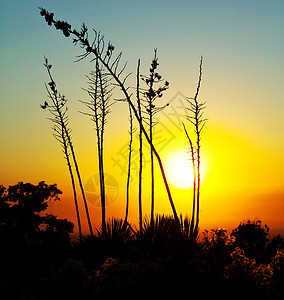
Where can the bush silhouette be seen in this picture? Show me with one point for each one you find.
(22, 223)
(252, 237)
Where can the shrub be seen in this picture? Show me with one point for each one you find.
(252, 237)
(247, 273)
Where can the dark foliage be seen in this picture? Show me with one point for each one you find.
(163, 237)
(31, 241)
(252, 237)
(21, 220)
(164, 260)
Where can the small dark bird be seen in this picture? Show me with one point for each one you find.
(45, 105)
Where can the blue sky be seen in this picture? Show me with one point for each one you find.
(234, 37)
(242, 43)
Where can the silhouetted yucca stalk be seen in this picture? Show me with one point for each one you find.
(58, 109)
(150, 97)
(63, 134)
(100, 102)
(192, 221)
(104, 54)
(131, 131)
(196, 109)
(139, 109)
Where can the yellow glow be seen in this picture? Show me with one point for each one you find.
(179, 169)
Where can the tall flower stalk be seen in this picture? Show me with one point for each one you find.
(131, 131)
(99, 104)
(196, 109)
(58, 109)
(150, 96)
(139, 109)
(104, 54)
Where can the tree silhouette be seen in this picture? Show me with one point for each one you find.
(252, 237)
(62, 133)
(105, 56)
(22, 223)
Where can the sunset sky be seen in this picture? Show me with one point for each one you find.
(242, 43)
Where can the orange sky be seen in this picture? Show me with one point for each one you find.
(242, 143)
(241, 177)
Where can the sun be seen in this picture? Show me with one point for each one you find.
(178, 169)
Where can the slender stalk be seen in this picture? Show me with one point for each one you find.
(73, 185)
(62, 133)
(131, 130)
(81, 185)
(67, 133)
(196, 108)
(99, 104)
(194, 182)
(104, 58)
(128, 98)
(151, 95)
(101, 161)
(140, 148)
(152, 172)
(97, 126)
(152, 146)
(198, 130)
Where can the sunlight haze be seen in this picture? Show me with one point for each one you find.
(242, 143)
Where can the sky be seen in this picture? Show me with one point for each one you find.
(242, 44)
